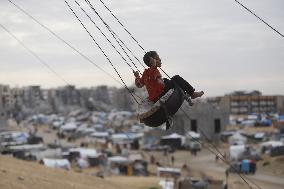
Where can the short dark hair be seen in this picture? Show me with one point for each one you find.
(147, 57)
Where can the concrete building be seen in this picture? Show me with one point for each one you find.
(32, 96)
(242, 103)
(4, 93)
(68, 95)
(202, 118)
(122, 99)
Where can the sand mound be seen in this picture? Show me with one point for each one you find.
(17, 174)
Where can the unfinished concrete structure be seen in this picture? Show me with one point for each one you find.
(202, 118)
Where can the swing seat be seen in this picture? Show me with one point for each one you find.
(155, 114)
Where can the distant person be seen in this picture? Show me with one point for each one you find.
(158, 164)
(216, 158)
(173, 160)
(152, 159)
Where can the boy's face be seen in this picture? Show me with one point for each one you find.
(156, 61)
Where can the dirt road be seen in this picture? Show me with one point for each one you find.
(263, 180)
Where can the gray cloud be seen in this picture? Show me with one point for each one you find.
(216, 45)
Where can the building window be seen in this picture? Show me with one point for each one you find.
(193, 125)
(217, 125)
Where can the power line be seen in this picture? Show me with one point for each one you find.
(123, 26)
(203, 133)
(259, 18)
(114, 35)
(62, 40)
(101, 51)
(105, 36)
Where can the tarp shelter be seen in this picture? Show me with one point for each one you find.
(167, 184)
(237, 139)
(118, 159)
(272, 144)
(236, 151)
(259, 136)
(26, 147)
(174, 140)
(100, 134)
(121, 138)
(225, 135)
(71, 126)
(193, 134)
(245, 166)
(57, 163)
(85, 152)
(248, 166)
(99, 137)
(168, 172)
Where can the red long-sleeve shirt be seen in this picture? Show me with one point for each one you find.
(152, 80)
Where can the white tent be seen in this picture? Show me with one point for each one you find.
(175, 136)
(57, 163)
(166, 184)
(100, 134)
(238, 139)
(172, 136)
(85, 152)
(236, 151)
(272, 144)
(193, 134)
(118, 159)
(69, 126)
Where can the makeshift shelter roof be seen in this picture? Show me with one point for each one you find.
(281, 118)
(69, 126)
(259, 135)
(237, 138)
(172, 136)
(57, 163)
(134, 157)
(100, 134)
(193, 134)
(236, 151)
(85, 152)
(120, 136)
(118, 159)
(272, 143)
(27, 147)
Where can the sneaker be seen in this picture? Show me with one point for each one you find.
(197, 94)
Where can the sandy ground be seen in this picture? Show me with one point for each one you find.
(17, 174)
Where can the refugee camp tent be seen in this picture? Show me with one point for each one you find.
(121, 138)
(120, 165)
(168, 172)
(57, 163)
(85, 152)
(68, 127)
(174, 140)
(259, 136)
(272, 144)
(248, 166)
(225, 135)
(235, 151)
(273, 148)
(166, 184)
(237, 139)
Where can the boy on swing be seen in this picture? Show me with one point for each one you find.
(157, 86)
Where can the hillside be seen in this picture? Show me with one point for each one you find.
(18, 174)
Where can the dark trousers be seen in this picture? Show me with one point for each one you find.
(177, 80)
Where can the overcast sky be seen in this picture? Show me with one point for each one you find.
(217, 45)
